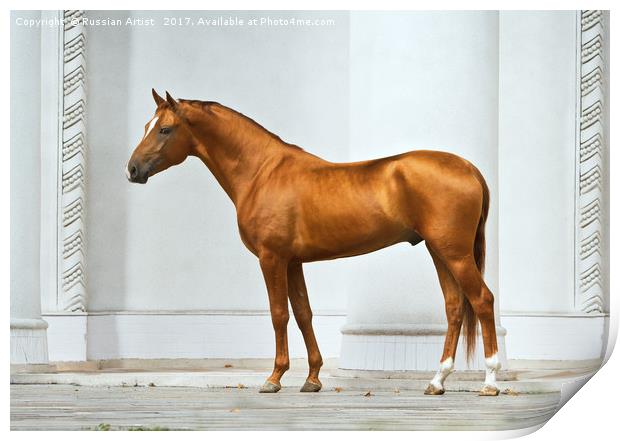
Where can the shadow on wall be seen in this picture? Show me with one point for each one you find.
(108, 80)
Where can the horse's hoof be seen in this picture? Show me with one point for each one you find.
(489, 390)
(310, 387)
(431, 389)
(270, 388)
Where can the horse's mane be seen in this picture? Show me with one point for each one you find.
(206, 106)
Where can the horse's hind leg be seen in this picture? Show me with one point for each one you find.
(454, 313)
(466, 273)
(298, 296)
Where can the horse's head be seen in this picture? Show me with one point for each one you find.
(167, 141)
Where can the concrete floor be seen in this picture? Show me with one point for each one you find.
(72, 407)
(223, 394)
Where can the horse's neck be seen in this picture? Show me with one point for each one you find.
(235, 149)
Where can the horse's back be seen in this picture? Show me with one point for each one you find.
(416, 176)
(392, 199)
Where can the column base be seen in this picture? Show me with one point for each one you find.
(406, 348)
(28, 341)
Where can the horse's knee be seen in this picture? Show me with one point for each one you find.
(279, 318)
(303, 316)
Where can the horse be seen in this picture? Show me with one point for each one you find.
(294, 207)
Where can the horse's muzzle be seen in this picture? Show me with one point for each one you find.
(134, 174)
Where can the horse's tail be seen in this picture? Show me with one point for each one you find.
(470, 320)
(479, 242)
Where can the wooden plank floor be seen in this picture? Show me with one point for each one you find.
(66, 407)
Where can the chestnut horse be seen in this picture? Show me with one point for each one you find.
(294, 207)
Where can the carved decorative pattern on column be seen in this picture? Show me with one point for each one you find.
(589, 296)
(72, 253)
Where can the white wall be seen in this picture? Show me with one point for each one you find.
(173, 244)
(537, 91)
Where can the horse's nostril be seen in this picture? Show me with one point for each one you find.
(133, 171)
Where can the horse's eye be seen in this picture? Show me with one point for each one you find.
(165, 130)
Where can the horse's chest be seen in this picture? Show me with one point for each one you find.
(260, 230)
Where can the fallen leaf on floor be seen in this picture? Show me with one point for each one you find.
(510, 391)
(368, 394)
(151, 384)
(338, 389)
(240, 386)
(235, 410)
(396, 391)
(228, 365)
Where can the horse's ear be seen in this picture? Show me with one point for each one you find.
(171, 101)
(157, 98)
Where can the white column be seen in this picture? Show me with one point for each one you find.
(28, 330)
(552, 156)
(418, 81)
(63, 184)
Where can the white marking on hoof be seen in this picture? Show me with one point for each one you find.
(445, 369)
(488, 391)
(493, 365)
(431, 389)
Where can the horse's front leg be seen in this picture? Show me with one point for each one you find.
(275, 272)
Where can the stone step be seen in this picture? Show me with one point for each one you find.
(233, 378)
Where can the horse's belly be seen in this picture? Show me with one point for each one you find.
(351, 236)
